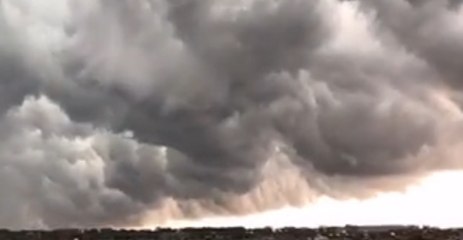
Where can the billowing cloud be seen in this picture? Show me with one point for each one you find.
(112, 110)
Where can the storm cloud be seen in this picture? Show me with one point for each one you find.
(114, 110)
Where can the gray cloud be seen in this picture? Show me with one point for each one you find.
(429, 29)
(192, 108)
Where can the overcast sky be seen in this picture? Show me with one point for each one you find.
(110, 110)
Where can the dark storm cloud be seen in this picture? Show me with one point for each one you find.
(14, 75)
(429, 29)
(182, 106)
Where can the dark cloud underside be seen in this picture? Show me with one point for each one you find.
(112, 109)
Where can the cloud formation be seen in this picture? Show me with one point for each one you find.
(183, 108)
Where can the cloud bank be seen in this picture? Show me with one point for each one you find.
(111, 110)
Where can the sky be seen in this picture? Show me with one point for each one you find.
(426, 203)
(204, 112)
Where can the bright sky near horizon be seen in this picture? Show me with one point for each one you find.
(434, 201)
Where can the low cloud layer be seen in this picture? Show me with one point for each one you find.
(114, 110)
